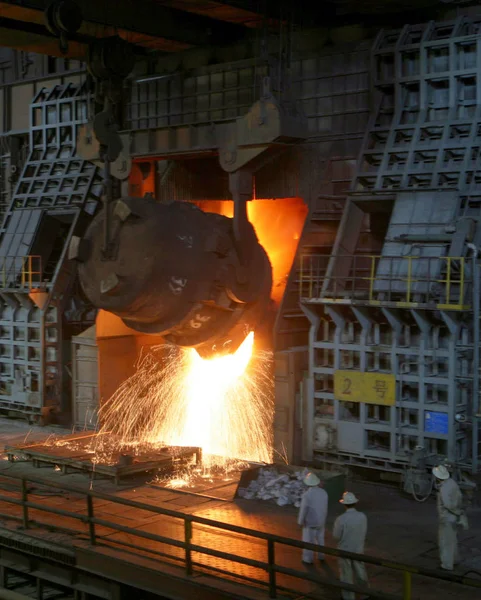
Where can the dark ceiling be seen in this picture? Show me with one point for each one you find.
(176, 25)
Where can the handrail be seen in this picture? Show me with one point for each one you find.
(381, 279)
(21, 272)
(270, 566)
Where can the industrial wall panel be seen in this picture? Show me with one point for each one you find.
(410, 310)
(423, 216)
(85, 380)
(208, 95)
(192, 180)
(337, 83)
(53, 190)
(334, 91)
(21, 97)
(3, 120)
(331, 89)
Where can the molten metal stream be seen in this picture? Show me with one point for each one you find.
(223, 405)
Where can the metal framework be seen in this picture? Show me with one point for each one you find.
(80, 458)
(411, 308)
(53, 192)
(177, 114)
(426, 131)
(391, 281)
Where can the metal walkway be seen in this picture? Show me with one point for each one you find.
(121, 540)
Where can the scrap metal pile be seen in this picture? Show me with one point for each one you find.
(283, 488)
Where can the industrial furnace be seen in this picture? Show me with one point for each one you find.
(381, 293)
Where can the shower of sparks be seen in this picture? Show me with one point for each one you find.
(178, 482)
(222, 405)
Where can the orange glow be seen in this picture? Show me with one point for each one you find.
(208, 383)
(278, 224)
(222, 405)
(142, 179)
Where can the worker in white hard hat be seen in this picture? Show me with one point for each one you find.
(312, 516)
(350, 530)
(451, 514)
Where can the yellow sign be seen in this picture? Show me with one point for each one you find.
(371, 388)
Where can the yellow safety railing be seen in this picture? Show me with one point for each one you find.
(403, 280)
(22, 272)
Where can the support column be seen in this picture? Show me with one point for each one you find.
(451, 321)
(340, 323)
(424, 326)
(308, 399)
(476, 366)
(396, 323)
(366, 322)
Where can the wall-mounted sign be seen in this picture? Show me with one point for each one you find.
(371, 388)
(436, 422)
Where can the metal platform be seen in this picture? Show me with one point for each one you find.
(212, 485)
(101, 456)
(150, 539)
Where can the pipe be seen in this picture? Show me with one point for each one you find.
(476, 316)
(107, 204)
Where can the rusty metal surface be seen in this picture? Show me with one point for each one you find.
(78, 452)
(213, 486)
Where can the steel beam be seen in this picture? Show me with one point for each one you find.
(249, 13)
(221, 11)
(327, 13)
(36, 38)
(148, 18)
(302, 12)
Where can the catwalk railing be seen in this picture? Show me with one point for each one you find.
(272, 542)
(442, 282)
(21, 272)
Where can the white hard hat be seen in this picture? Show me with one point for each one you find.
(440, 472)
(312, 479)
(348, 498)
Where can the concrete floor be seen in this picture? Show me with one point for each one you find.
(400, 529)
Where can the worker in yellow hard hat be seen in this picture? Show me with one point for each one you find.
(451, 514)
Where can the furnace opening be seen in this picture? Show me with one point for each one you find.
(222, 405)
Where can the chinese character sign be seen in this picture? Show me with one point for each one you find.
(380, 388)
(371, 388)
